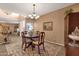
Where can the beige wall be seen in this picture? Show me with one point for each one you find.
(11, 28)
(57, 17)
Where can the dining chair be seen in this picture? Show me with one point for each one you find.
(40, 41)
(23, 39)
(37, 32)
(26, 42)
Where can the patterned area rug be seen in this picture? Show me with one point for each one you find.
(14, 49)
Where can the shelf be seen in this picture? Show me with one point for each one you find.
(73, 45)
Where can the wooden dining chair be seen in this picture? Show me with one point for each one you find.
(40, 41)
(37, 32)
(23, 39)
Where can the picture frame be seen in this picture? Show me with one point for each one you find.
(48, 26)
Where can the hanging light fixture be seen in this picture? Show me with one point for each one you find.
(34, 15)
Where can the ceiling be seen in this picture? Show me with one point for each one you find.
(26, 8)
(9, 20)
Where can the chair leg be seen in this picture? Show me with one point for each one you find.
(25, 49)
(22, 44)
(25, 46)
(32, 47)
(43, 47)
(38, 49)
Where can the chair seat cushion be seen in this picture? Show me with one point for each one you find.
(36, 42)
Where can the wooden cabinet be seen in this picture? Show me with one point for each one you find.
(72, 51)
(71, 21)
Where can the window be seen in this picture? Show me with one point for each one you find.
(29, 26)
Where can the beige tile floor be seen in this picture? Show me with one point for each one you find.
(3, 50)
(13, 48)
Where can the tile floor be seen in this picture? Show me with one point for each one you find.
(13, 48)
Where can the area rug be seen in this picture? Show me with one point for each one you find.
(14, 49)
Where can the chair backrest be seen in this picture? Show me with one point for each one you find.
(22, 34)
(37, 32)
(42, 36)
(25, 32)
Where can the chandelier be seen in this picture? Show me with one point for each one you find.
(33, 15)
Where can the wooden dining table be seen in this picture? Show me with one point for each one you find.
(32, 38)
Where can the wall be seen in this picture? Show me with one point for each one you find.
(57, 17)
(11, 27)
(4, 27)
(1, 28)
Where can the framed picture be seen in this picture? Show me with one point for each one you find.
(48, 26)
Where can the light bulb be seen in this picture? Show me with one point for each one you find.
(30, 15)
(37, 17)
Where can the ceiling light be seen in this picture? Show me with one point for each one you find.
(33, 15)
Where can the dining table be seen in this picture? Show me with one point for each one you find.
(31, 38)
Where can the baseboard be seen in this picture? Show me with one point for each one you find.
(54, 43)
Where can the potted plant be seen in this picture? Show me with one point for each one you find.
(68, 11)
